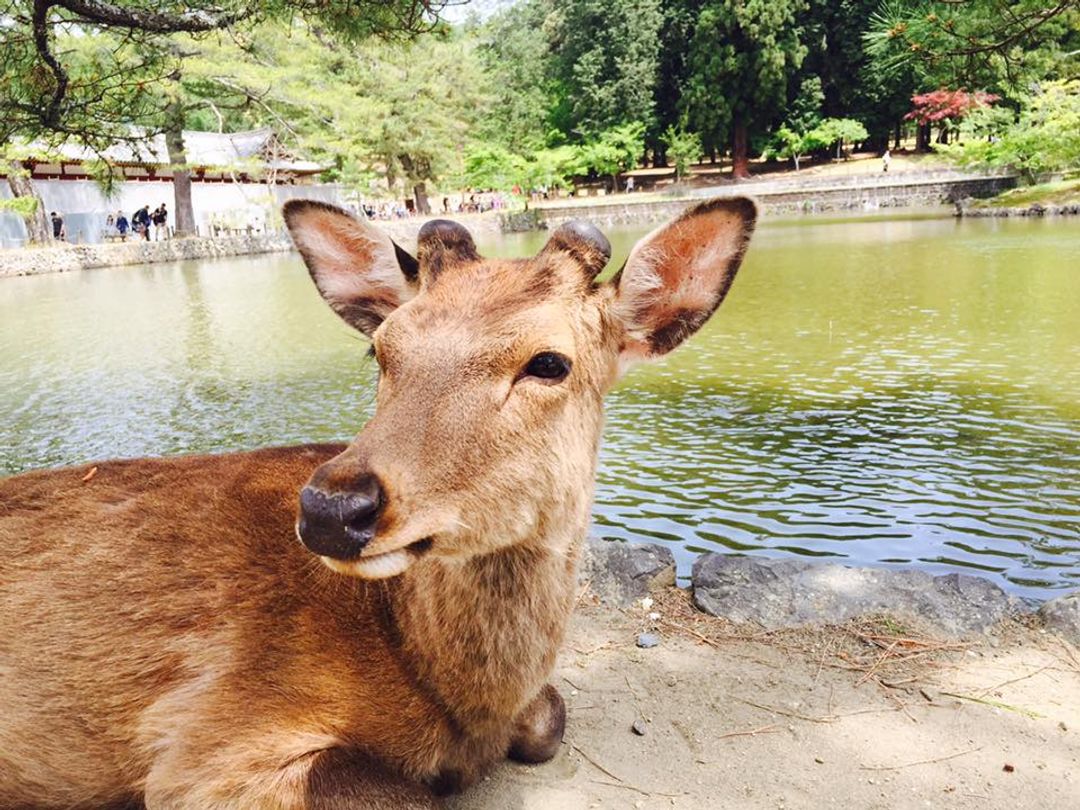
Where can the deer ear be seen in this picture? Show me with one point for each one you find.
(676, 277)
(360, 272)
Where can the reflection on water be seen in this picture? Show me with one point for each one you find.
(896, 392)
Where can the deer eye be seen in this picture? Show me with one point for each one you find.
(548, 366)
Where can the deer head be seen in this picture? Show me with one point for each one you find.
(491, 376)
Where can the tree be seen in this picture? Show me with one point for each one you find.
(838, 130)
(372, 109)
(787, 143)
(615, 150)
(603, 63)
(946, 107)
(1044, 138)
(684, 148)
(88, 70)
(1003, 45)
(742, 54)
(515, 52)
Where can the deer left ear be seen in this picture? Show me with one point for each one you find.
(678, 275)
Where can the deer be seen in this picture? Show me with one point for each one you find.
(361, 625)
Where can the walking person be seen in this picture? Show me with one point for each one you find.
(58, 231)
(122, 225)
(886, 159)
(161, 223)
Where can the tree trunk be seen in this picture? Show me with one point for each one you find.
(174, 143)
(38, 227)
(896, 136)
(922, 138)
(796, 159)
(943, 136)
(420, 195)
(740, 157)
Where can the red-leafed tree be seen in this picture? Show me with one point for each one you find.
(945, 107)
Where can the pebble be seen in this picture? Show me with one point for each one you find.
(638, 727)
(647, 640)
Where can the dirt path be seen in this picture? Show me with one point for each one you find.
(869, 716)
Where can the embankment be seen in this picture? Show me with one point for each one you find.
(65, 258)
(784, 197)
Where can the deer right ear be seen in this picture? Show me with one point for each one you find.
(360, 272)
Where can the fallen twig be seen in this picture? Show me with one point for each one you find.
(995, 703)
(919, 762)
(750, 732)
(691, 631)
(597, 765)
(796, 715)
(990, 689)
(637, 789)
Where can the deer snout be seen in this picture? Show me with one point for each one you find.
(339, 524)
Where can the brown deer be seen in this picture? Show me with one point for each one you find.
(166, 640)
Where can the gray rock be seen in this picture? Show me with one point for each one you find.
(638, 727)
(786, 593)
(647, 640)
(620, 573)
(1062, 615)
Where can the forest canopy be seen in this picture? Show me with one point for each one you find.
(388, 95)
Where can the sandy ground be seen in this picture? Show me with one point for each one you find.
(866, 716)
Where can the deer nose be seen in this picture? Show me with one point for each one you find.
(339, 524)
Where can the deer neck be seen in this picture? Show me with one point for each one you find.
(483, 633)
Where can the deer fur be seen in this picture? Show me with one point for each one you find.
(167, 641)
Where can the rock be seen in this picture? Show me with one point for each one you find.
(638, 728)
(647, 640)
(786, 593)
(621, 573)
(1062, 615)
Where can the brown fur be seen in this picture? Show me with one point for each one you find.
(166, 638)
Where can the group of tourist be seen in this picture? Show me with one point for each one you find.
(141, 223)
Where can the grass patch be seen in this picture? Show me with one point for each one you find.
(1060, 193)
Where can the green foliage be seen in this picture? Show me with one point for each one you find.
(25, 207)
(839, 131)
(615, 150)
(100, 67)
(683, 149)
(1045, 138)
(805, 110)
(493, 167)
(741, 56)
(515, 55)
(1001, 45)
(787, 143)
(376, 109)
(604, 57)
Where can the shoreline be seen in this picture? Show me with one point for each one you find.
(782, 593)
(69, 258)
(791, 196)
(882, 714)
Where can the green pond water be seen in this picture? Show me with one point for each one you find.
(878, 391)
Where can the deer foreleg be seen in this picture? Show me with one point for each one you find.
(539, 728)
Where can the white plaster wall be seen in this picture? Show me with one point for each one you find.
(229, 205)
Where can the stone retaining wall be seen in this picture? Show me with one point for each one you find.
(65, 258)
(791, 199)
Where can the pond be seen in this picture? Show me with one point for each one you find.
(878, 391)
